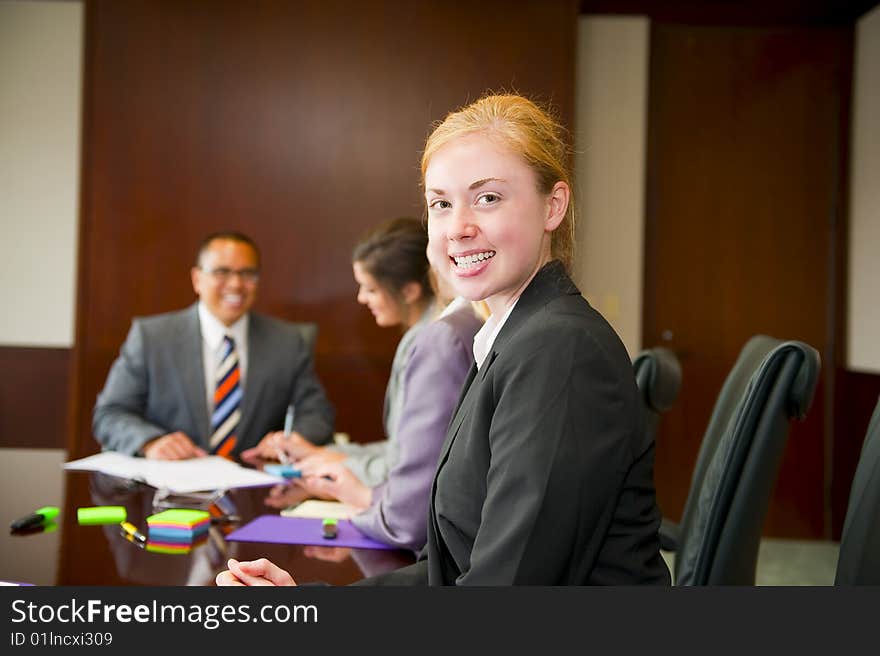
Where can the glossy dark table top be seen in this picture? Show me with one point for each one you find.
(99, 555)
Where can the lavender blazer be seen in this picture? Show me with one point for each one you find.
(441, 356)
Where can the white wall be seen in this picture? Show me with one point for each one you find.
(40, 99)
(610, 142)
(863, 315)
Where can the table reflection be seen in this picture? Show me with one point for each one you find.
(104, 555)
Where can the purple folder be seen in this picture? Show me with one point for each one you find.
(302, 530)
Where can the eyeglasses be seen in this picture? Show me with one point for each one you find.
(222, 274)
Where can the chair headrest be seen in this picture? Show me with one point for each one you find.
(658, 374)
(762, 351)
(309, 333)
(800, 396)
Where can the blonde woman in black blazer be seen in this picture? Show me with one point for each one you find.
(546, 474)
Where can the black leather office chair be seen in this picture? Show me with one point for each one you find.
(859, 558)
(309, 333)
(658, 375)
(717, 542)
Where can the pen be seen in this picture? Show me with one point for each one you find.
(130, 529)
(288, 427)
(288, 421)
(37, 518)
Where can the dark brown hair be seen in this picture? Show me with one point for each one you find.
(394, 254)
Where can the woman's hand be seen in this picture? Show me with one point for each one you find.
(336, 481)
(286, 495)
(329, 554)
(294, 447)
(318, 458)
(253, 573)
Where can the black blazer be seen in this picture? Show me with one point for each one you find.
(546, 475)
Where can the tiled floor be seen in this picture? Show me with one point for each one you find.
(796, 562)
(791, 562)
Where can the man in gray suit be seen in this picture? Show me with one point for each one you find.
(159, 397)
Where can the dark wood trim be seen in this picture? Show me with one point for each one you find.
(649, 246)
(838, 230)
(78, 360)
(75, 410)
(33, 397)
(743, 12)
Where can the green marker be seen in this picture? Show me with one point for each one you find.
(329, 525)
(39, 517)
(100, 515)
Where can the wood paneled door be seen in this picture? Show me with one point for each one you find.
(745, 180)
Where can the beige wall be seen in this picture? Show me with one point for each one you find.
(611, 123)
(40, 98)
(863, 319)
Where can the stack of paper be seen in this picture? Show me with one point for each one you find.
(193, 475)
(321, 510)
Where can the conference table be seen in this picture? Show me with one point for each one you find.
(100, 555)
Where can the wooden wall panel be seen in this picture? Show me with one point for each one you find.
(299, 123)
(33, 397)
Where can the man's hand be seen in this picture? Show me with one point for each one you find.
(295, 447)
(173, 446)
(253, 573)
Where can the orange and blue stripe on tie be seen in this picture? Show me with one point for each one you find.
(227, 398)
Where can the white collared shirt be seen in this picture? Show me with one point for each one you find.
(485, 337)
(213, 332)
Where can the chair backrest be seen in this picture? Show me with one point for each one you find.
(658, 375)
(309, 333)
(859, 558)
(772, 382)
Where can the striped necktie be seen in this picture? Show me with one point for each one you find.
(227, 398)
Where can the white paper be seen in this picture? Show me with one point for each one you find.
(193, 475)
(321, 510)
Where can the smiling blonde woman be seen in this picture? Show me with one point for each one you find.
(546, 474)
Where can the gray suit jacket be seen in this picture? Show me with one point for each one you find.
(157, 385)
